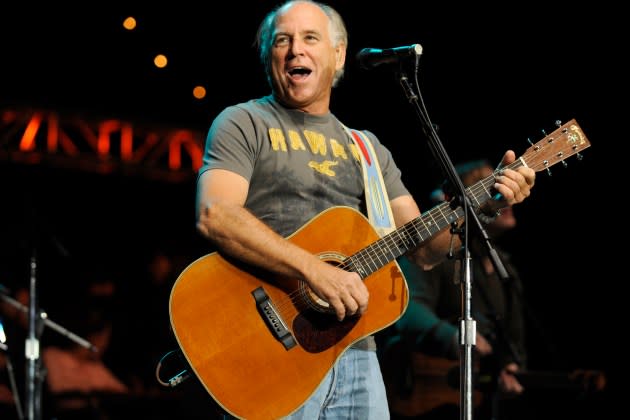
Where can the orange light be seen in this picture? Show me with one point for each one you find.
(160, 61)
(130, 23)
(199, 92)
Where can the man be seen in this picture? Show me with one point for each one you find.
(430, 327)
(274, 163)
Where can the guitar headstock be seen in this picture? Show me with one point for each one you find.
(567, 140)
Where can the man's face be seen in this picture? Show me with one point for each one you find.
(304, 59)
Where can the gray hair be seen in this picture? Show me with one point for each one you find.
(264, 36)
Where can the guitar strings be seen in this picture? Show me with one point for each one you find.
(300, 298)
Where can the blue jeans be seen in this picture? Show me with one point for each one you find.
(352, 390)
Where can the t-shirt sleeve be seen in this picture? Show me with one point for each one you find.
(231, 143)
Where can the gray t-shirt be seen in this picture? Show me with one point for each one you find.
(297, 164)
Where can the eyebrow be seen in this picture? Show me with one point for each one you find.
(307, 32)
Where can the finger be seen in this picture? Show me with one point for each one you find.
(362, 298)
(363, 307)
(523, 176)
(513, 186)
(504, 192)
(339, 307)
(510, 195)
(351, 306)
(529, 174)
(508, 157)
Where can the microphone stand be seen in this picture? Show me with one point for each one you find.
(37, 319)
(467, 331)
(31, 349)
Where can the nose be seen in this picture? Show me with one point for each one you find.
(297, 47)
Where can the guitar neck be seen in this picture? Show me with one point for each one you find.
(567, 140)
(577, 380)
(422, 228)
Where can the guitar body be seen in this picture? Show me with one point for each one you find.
(232, 349)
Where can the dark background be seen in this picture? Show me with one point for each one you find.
(491, 77)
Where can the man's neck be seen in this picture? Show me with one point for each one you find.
(314, 108)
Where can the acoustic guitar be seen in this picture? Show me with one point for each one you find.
(261, 345)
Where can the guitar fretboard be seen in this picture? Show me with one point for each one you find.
(415, 232)
(567, 140)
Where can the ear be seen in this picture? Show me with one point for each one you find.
(340, 56)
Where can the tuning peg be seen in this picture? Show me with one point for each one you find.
(558, 123)
(564, 164)
(579, 156)
(548, 171)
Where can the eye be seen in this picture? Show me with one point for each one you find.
(281, 40)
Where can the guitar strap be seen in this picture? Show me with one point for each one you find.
(377, 201)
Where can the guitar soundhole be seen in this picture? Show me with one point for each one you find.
(312, 301)
(316, 332)
(308, 297)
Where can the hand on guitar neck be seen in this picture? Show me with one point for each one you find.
(507, 381)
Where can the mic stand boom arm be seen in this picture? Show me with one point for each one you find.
(50, 323)
(467, 332)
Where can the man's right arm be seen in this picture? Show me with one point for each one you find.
(223, 219)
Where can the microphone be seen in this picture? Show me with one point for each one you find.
(372, 57)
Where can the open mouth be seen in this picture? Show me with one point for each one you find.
(299, 72)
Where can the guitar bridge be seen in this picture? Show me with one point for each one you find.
(273, 319)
